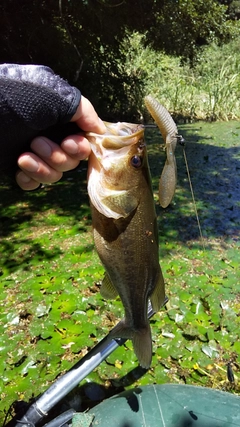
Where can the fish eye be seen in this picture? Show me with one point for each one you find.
(136, 161)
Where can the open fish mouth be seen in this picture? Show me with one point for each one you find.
(117, 136)
(112, 146)
(109, 168)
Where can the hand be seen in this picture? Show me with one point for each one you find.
(48, 160)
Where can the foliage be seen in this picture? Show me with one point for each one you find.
(184, 26)
(81, 40)
(51, 308)
(209, 91)
(233, 8)
(219, 76)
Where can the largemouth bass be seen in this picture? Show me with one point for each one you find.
(125, 229)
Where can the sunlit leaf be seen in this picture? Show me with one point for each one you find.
(52, 312)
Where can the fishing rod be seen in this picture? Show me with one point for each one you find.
(66, 383)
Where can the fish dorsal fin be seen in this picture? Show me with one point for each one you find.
(108, 290)
(158, 296)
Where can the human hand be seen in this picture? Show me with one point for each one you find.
(47, 161)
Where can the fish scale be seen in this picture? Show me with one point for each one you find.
(125, 227)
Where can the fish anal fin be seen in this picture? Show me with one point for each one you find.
(141, 339)
(158, 296)
(108, 290)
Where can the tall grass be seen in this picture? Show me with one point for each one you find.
(209, 91)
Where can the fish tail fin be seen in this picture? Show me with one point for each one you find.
(141, 339)
(142, 344)
(158, 296)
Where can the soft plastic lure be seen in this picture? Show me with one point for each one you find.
(168, 129)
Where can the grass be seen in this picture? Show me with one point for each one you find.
(51, 308)
(207, 91)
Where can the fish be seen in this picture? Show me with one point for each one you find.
(169, 131)
(125, 230)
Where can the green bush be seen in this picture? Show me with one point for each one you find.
(210, 90)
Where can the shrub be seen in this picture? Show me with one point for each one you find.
(210, 90)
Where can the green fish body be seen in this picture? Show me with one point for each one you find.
(125, 229)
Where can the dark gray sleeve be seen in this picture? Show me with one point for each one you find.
(32, 100)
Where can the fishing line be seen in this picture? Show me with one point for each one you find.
(194, 202)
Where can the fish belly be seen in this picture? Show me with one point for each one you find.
(128, 249)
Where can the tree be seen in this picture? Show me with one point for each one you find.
(183, 27)
(81, 40)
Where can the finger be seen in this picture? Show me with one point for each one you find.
(76, 146)
(51, 161)
(25, 182)
(35, 168)
(54, 156)
(87, 118)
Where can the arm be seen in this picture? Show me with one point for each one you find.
(33, 100)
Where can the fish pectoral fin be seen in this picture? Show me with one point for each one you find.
(122, 203)
(141, 339)
(158, 296)
(111, 203)
(108, 290)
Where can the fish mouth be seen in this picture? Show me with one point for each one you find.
(109, 165)
(117, 136)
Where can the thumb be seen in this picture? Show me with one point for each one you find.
(87, 118)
